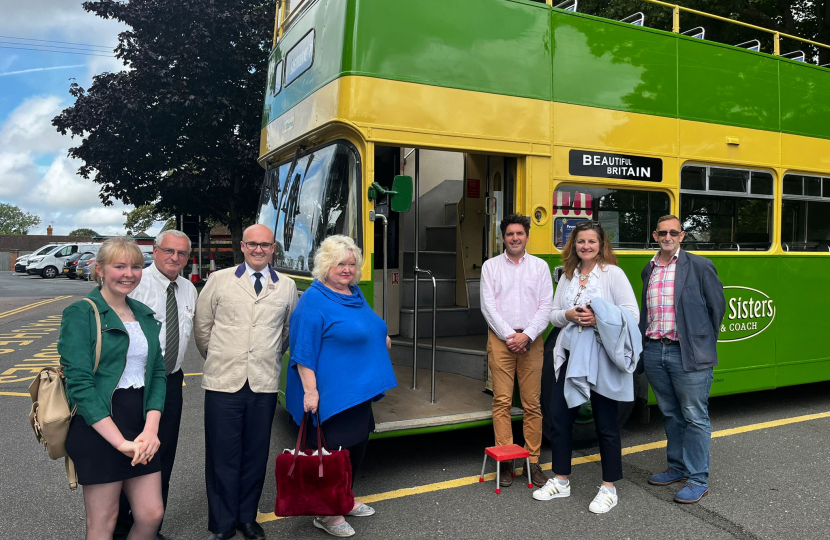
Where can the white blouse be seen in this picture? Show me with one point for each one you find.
(609, 283)
(133, 375)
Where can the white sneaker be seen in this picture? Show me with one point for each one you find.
(604, 501)
(552, 490)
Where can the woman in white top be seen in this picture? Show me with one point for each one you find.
(590, 272)
(113, 438)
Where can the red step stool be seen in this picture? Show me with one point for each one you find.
(507, 452)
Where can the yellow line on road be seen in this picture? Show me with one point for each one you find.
(469, 480)
(21, 394)
(32, 306)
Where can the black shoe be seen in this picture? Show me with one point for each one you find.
(160, 536)
(506, 474)
(251, 531)
(222, 536)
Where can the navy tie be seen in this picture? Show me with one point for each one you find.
(257, 283)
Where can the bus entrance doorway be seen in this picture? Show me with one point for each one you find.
(451, 229)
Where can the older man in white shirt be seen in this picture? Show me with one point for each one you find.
(516, 296)
(173, 299)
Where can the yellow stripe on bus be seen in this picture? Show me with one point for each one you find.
(32, 306)
(469, 480)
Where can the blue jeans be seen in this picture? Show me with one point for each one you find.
(683, 398)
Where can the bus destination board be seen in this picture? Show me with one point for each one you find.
(624, 167)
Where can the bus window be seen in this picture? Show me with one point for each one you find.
(726, 209)
(805, 221)
(319, 199)
(627, 215)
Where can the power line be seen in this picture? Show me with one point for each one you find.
(52, 41)
(55, 47)
(59, 52)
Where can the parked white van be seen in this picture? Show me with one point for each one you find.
(51, 264)
(20, 264)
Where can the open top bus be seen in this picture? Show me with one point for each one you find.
(500, 106)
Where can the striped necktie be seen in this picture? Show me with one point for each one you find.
(171, 349)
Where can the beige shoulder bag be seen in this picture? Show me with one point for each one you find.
(50, 415)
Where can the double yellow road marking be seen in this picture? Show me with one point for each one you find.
(469, 480)
(32, 306)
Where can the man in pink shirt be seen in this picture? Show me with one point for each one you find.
(516, 297)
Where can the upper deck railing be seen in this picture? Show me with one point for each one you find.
(676, 9)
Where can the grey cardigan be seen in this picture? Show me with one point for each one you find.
(601, 360)
(699, 308)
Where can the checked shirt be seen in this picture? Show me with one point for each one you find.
(660, 300)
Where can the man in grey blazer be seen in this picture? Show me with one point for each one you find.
(680, 316)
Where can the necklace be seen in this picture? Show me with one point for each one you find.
(123, 315)
(583, 277)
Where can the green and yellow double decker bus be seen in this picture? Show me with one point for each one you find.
(500, 106)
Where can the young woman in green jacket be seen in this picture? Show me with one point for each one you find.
(113, 436)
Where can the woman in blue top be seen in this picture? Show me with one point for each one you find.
(339, 361)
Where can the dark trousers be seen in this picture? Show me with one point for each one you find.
(237, 440)
(171, 420)
(605, 421)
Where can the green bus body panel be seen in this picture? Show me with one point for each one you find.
(782, 354)
(516, 48)
(805, 99)
(725, 85)
(328, 19)
(500, 48)
(602, 64)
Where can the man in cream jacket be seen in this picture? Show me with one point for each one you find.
(241, 329)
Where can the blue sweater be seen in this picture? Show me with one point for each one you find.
(341, 339)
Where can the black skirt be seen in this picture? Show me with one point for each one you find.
(96, 461)
(345, 429)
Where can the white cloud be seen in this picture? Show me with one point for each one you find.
(55, 192)
(60, 21)
(35, 172)
(28, 128)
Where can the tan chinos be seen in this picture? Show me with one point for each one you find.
(505, 367)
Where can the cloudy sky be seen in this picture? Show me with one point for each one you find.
(35, 172)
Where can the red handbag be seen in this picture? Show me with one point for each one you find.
(313, 485)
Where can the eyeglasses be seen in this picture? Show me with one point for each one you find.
(253, 245)
(172, 252)
(673, 233)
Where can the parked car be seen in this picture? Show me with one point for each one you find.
(148, 259)
(85, 268)
(51, 264)
(22, 262)
(70, 268)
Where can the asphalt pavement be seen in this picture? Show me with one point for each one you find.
(768, 454)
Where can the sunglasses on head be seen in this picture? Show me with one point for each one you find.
(673, 233)
(585, 225)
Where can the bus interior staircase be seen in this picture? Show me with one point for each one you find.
(461, 355)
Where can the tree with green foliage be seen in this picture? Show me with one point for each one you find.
(84, 232)
(809, 19)
(13, 220)
(180, 128)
